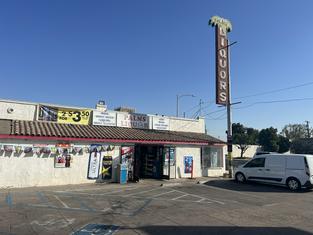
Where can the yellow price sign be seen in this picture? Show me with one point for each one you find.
(74, 116)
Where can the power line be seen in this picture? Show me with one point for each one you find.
(221, 117)
(274, 91)
(274, 101)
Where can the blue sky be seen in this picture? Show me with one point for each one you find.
(141, 53)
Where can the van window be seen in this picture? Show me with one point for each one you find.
(257, 162)
(295, 162)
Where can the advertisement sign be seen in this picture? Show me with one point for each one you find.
(106, 170)
(222, 26)
(133, 120)
(103, 118)
(62, 160)
(94, 164)
(160, 123)
(62, 115)
(188, 161)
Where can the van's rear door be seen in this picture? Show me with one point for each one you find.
(309, 166)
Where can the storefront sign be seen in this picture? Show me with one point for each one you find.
(222, 26)
(188, 162)
(94, 164)
(103, 118)
(133, 120)
(160, 123)
(61, 115)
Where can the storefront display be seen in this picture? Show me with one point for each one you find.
(127, 158)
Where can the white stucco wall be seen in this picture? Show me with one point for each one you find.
(28, 170)
(249, 153)
(188, 125)
(188, 151)
(20, 111)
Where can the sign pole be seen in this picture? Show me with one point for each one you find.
(229, 122)
(222, 27)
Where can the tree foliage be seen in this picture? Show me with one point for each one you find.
(283, 144)
(268, 139)
(243, 137)
(294, 131)
(302, 146)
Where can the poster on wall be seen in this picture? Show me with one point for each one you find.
(103, 118)
(127, 158)
(94, 163)
(62, 161)
(106, 171)
(62, 115)
(188, 162)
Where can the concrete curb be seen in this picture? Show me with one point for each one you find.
(170, 184)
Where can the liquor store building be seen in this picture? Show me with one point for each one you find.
(43, 153)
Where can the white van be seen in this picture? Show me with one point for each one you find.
(293, 170)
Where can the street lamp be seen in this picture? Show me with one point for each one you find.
(177, 102)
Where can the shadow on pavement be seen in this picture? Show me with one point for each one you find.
(215, 230)
(251, 187)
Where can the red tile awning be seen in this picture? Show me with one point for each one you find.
(18, 129)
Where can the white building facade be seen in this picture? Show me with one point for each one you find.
(44, 144)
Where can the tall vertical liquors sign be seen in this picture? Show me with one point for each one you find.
(222, 27)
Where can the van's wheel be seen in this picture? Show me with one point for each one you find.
(293, 184)
(240, 177)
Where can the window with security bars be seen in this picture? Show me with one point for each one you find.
(212, 157)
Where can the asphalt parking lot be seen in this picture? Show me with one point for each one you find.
(218, 206)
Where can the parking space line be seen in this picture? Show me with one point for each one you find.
(160, 194)
(96, 194)
(212, 200)
(201, 200)
(146, 191)
(233, 191)
(179, 197)
(63, 203)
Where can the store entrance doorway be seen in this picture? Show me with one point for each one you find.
(149, 161)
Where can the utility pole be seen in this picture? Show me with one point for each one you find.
(308, 129)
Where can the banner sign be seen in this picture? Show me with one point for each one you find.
(160, 123)
(103, 118)
(94, 163)
(62, 115)
(188, 161)
(222, 26)
(133, 120)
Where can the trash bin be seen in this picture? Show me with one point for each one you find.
(122, 173)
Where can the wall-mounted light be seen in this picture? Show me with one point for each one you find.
(10, 110)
